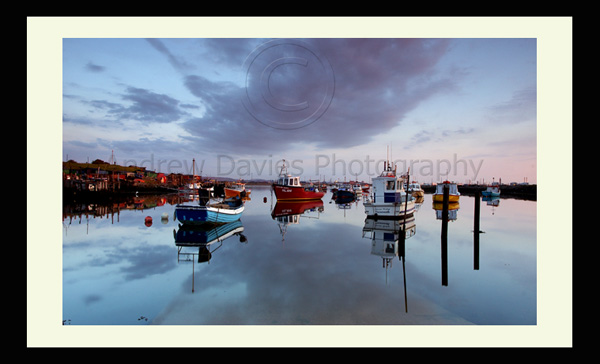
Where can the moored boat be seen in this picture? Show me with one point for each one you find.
(237, 189)
(389, 200)
(365, 188)
(218, 212)
(453, 194)
(189, 188)
(357, 187)
(289, 188)
(492, 190)
(345, 192)
(414, 188)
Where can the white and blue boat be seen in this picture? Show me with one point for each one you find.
(492, 190)
(389, 200)
(220, 212)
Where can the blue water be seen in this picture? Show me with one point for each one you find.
(319, 269)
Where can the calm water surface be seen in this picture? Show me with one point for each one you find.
(325, 266)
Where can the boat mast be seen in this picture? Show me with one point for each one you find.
(283, 168)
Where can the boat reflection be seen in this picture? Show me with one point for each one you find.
(289, 212)
(491, 200)
(345, 201)
(388, 238)
(419, 202)
(453, 208)
(203, 241)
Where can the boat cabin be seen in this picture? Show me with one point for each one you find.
(288, 180)
(414, 187)
(388, 190)
(453, 188)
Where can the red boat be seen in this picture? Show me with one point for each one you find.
(288, 188)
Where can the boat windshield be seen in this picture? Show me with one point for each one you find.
(289, 181)
(390, 185)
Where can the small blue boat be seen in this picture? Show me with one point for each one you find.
(492, 190)
(221, 212)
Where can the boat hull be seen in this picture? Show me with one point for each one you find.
(343, 194)
(440, 198)
(235, 192)
(439, 206)
(389, 211)
(490, 194)
(345, 199)
(292, 193)
(229, 192)
(198, 215)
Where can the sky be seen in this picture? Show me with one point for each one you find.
(462, 109)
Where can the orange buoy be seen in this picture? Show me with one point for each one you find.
(148, 221)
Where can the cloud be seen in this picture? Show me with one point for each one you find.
(94, 67)
(138, 104)
(149, 106)
(459, 131)
(521, 107)
(374, 84)
(329, 93)
(436, 136)
(178, 63)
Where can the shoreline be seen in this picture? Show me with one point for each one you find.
(524, 192)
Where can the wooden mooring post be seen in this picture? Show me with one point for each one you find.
(476, 231)
(445, 236)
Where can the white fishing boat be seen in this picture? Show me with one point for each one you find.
(389, 199)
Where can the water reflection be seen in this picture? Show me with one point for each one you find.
(202, 241)
(418, 202)
(453, 208)
(388, 241)
(492, 201)
(111, 208)
(288, 213)
(388, 237)
(347, 281)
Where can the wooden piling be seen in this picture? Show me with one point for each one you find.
(445, 236)
(476, 231)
